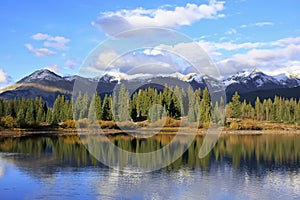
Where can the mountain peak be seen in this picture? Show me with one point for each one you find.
(42, 74)
(256, 70)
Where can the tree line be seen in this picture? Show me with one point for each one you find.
(145, 104)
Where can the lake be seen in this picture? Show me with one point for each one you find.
(47, 166)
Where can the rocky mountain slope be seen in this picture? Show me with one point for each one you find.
(48, 85)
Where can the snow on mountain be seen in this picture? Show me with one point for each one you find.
(43, 74)
(257, 78)
(236, 78)
(250, 79)
(118, 76)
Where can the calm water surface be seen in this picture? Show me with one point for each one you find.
(239, 167)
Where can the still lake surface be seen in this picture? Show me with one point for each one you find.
(49, 166)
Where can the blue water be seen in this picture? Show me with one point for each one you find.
(47, 177)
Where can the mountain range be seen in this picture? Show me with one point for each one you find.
(249, 84)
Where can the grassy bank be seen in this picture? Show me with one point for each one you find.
(164, 126)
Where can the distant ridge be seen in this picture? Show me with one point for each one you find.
(48, 85)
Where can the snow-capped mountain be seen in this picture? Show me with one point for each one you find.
(259, 80)
(248, 83)
(42, 75)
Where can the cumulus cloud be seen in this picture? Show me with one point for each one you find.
(228, 46)
(230, 57)
(257, 24)
(268, 59)
(142, 62)
(122, 20)
(4, 78)
(56, 42)
(40, 51)
(212, 47)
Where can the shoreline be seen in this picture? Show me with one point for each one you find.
(145, 132)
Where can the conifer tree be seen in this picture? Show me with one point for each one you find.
(236, 106)
(106, 108)
(192, 112)
(123, 104)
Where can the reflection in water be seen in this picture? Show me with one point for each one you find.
(249, 151)
(54, 166)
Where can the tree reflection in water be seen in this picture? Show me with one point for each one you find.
(247, 152)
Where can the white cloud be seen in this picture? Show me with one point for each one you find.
(282, 54)
(122, 20)
(213, 47)
(40, 36)
(287, 41)
(231, 31)
(71, 63)
(228, 46)
(257, 24)
(56, 42)
(134, 62)
(53, 68)
(4, 78)
(268, 59)
(40, 51)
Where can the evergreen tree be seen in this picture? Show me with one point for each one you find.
(21, 117)
(106, 108)
(236, 106)
(192, 112)
(95, 108)
(29, 116)
(258, 109)
(123, 105)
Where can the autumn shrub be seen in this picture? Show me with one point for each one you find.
(8, 121)
(206, 124)
(249, 124)
(108, 124)
(234, 126)
(68, 124)
(170, 122)
(143, 124)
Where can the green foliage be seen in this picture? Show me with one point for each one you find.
(123, 104)
(8, 121)
(192, 110)
(149, 104)
(236, 106)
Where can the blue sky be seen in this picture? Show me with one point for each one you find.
(59, 35)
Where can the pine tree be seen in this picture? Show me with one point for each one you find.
(236, 106)
(206, 103)
(123, 105)
(29, 116)
(21, 117)
(258, 109)
(95, 108)
(106, 108)
(192, 105)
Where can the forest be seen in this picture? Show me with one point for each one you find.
(147, 105)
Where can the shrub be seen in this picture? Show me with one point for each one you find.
(206, 124)
(8, 122)
(83, 123)
(68, 124)
(108, 124)
(234, 126)
(143, 124)
(250, 125)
